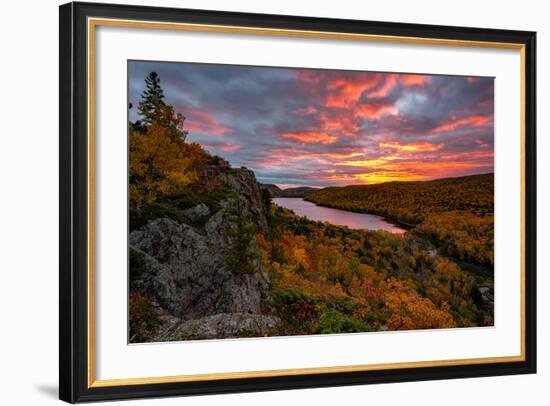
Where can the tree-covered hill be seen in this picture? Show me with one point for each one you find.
(413, 202)
(457, 213)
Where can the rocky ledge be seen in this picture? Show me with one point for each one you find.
(224, 325)
(187, 269)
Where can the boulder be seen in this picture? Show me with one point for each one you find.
(197, 213)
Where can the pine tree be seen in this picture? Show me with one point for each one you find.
(155, 111)
(152, 99)
(160, 163)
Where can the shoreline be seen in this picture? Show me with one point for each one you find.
(388, 219)
(404, 226)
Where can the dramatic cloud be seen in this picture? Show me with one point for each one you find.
(328, 127)
(201, 121)
(311, 137)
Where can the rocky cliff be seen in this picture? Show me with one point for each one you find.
(188, 268)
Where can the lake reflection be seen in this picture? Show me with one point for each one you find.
(358, 221)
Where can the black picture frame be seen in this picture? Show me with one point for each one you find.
(73, 256)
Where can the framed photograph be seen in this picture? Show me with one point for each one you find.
(257, 202)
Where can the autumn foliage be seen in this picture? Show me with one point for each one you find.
(159, 165)
(344, 280)
(456, 213)
(323, 278)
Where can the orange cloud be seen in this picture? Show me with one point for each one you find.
(392, 80)
(375, 110)
(387, 176)
(343, 91)
(311, 137)
(414, 80)
(342, 122)
(384, 90)
(424, 147)
(341, 155)
(417, 170)
(367, 163)
(201, 121)
(472, 121)
(388, 168)
(347, 91)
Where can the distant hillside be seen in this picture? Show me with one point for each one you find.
(455, 213)
(298, 191)
(276, 191)
(410, 202)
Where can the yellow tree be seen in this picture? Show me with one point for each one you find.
(410, 311)
(159, 164)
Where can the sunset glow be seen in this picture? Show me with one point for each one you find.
(328, 127)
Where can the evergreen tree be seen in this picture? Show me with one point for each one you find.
(155, 111)
(160, 163)
(152, 99)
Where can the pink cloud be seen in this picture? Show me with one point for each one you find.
(304, 111)
(222, 146)
(311, 137)
(472, 121)
(375, 110)
(201, 121)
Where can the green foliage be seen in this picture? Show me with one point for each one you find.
(151, 98)
(154, 110)
(298, 311)
(189, 198)
(332, 321)
(142, 215)
(309, 314)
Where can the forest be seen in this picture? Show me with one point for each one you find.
(455, 213)
(332, 279)
(189, 207)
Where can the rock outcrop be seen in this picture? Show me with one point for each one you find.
(188, 272)
(224, 325)
(197, 213)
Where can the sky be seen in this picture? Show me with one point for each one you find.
(313, 127)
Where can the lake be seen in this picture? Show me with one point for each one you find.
(358, 221)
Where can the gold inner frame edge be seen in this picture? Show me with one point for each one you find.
(92, 23)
